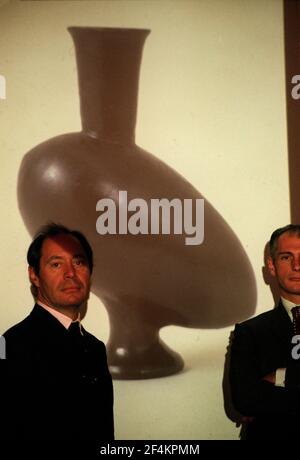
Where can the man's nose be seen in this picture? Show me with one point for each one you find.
(296, 263)
(69, 271)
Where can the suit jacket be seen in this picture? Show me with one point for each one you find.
(55, 387)
(259, 347)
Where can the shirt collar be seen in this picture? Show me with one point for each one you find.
(63, 319)
(288, 305)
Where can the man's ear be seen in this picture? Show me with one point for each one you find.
(271, 266)
(34, 279)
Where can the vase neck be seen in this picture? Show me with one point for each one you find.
(108, 62)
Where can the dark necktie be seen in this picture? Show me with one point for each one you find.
(74, 330)
(296, 319)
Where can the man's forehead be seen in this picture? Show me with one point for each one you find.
(62, 243)
(287, 239)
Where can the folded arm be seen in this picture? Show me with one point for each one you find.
(254, 394)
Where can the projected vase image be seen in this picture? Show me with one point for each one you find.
(149, 281)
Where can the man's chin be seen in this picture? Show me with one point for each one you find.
(72, 302)
(291, 290)
(75, 297)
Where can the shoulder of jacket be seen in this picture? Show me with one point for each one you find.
(260, 320)
(93, 339)
(24, 327)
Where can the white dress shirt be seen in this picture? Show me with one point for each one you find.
(63, 319)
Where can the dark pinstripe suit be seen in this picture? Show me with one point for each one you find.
(55, 387)
(259, 347)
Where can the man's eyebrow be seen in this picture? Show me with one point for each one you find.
(80, 255)
(284, 252)
(54, 257)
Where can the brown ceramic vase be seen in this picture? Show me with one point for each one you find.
(146, 282)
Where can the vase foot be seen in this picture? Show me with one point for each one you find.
(157, 360)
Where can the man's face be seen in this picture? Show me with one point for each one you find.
(286, 266)
(64, 278)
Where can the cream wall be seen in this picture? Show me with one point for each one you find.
(212, 105)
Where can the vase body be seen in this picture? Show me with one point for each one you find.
(148, 281)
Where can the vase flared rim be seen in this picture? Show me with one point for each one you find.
(107, 29)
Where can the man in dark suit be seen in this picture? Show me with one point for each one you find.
(264, 362)
(55, 380)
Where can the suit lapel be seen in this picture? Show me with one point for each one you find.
(281, 331)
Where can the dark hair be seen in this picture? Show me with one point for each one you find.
(293, 229)
(47, 231)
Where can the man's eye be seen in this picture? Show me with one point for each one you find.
(79, 262)
(286, 257)
(55, 264)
